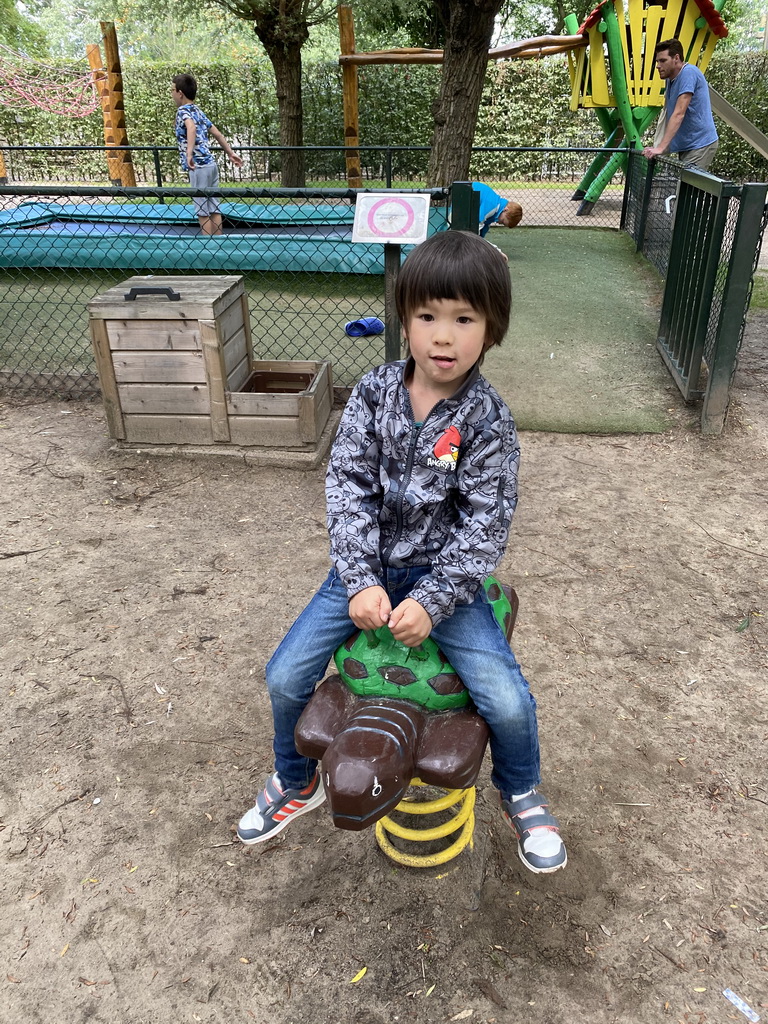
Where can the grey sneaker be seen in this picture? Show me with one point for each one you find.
(277, 807)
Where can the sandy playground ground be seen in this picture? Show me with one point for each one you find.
(141, 597)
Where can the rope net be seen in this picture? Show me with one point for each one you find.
(27, 82)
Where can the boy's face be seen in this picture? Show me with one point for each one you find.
(446, 338)
(178, 97)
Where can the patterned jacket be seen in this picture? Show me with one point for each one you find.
(442, 495)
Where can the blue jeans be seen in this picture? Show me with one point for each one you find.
(471, 639)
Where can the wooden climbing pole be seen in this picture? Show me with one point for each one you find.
(350, 97)
(119, 163)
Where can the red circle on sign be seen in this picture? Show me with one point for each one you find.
(402, 231)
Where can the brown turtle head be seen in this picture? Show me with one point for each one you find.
(370, 763)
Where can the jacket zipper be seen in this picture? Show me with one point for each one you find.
(405, 481)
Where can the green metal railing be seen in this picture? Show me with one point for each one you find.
(718, 229)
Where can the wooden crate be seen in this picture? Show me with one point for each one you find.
(174, 353)
(285, 403)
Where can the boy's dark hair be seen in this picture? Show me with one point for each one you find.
(457, 265)
(186, 84)
(673, 46)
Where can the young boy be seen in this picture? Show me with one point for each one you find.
(192, 128)
(495, 209)
(414, 535)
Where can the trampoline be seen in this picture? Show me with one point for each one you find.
(156, 236)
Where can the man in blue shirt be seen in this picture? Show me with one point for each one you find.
(689, 128)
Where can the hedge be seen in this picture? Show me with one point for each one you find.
(525, 103)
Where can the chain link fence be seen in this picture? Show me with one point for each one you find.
(303, 276)
(650, 207)
(704, 236)
(61, 245)
(325, 166)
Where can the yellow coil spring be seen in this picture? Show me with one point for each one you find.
(464, 819)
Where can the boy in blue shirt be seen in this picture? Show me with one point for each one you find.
(192, 128)
(420, 490)
(495, 209)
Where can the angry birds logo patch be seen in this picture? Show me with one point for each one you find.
(446, 451)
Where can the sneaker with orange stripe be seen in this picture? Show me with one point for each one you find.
(277, 807)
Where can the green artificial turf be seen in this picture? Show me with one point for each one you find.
(580, 355)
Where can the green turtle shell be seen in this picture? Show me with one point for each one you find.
(374, 664)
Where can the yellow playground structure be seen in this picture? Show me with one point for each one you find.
(613, 71)
(612, 67)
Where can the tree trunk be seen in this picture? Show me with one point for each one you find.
(469, 28)
(282, 30)
(286, 62)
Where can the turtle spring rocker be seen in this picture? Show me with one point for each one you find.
(392, 718)
(614, 73)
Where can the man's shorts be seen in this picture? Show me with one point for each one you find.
(700, 158)
(206, 176)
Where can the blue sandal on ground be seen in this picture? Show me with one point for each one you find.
(525, 826)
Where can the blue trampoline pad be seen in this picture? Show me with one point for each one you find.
(157, 236)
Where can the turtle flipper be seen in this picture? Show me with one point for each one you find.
(451, 749)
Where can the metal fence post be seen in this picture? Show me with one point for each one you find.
(465, 207)
(643, 218)
(736, 292)
(158, 171)
(392, 323)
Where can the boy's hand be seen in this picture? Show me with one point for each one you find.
(371, 608)
(410, 623)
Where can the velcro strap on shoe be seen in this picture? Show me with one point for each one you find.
(526, 826)
(269, 799)
(526, 803)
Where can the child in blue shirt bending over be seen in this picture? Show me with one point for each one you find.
(191, 129)
(495, 209)
(421, 487)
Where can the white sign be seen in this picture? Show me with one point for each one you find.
(381, 217)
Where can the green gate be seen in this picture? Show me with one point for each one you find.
(718, 229)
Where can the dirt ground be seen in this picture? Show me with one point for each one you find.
(141, 597)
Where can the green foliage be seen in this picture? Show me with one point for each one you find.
(742, 78)
(19, 32)
(172, 30)
(525, 103)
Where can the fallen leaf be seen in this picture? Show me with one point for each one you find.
(490, 992)
(699, 990)
(429, 991)
(358, 976)
(84, 981)
(244, 960)
(64, 950)
(16, 981)
(463, 1015)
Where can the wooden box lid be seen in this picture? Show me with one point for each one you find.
(202, 297)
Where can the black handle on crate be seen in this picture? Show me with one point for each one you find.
(143, 289)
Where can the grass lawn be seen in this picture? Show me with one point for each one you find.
(760, 291)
